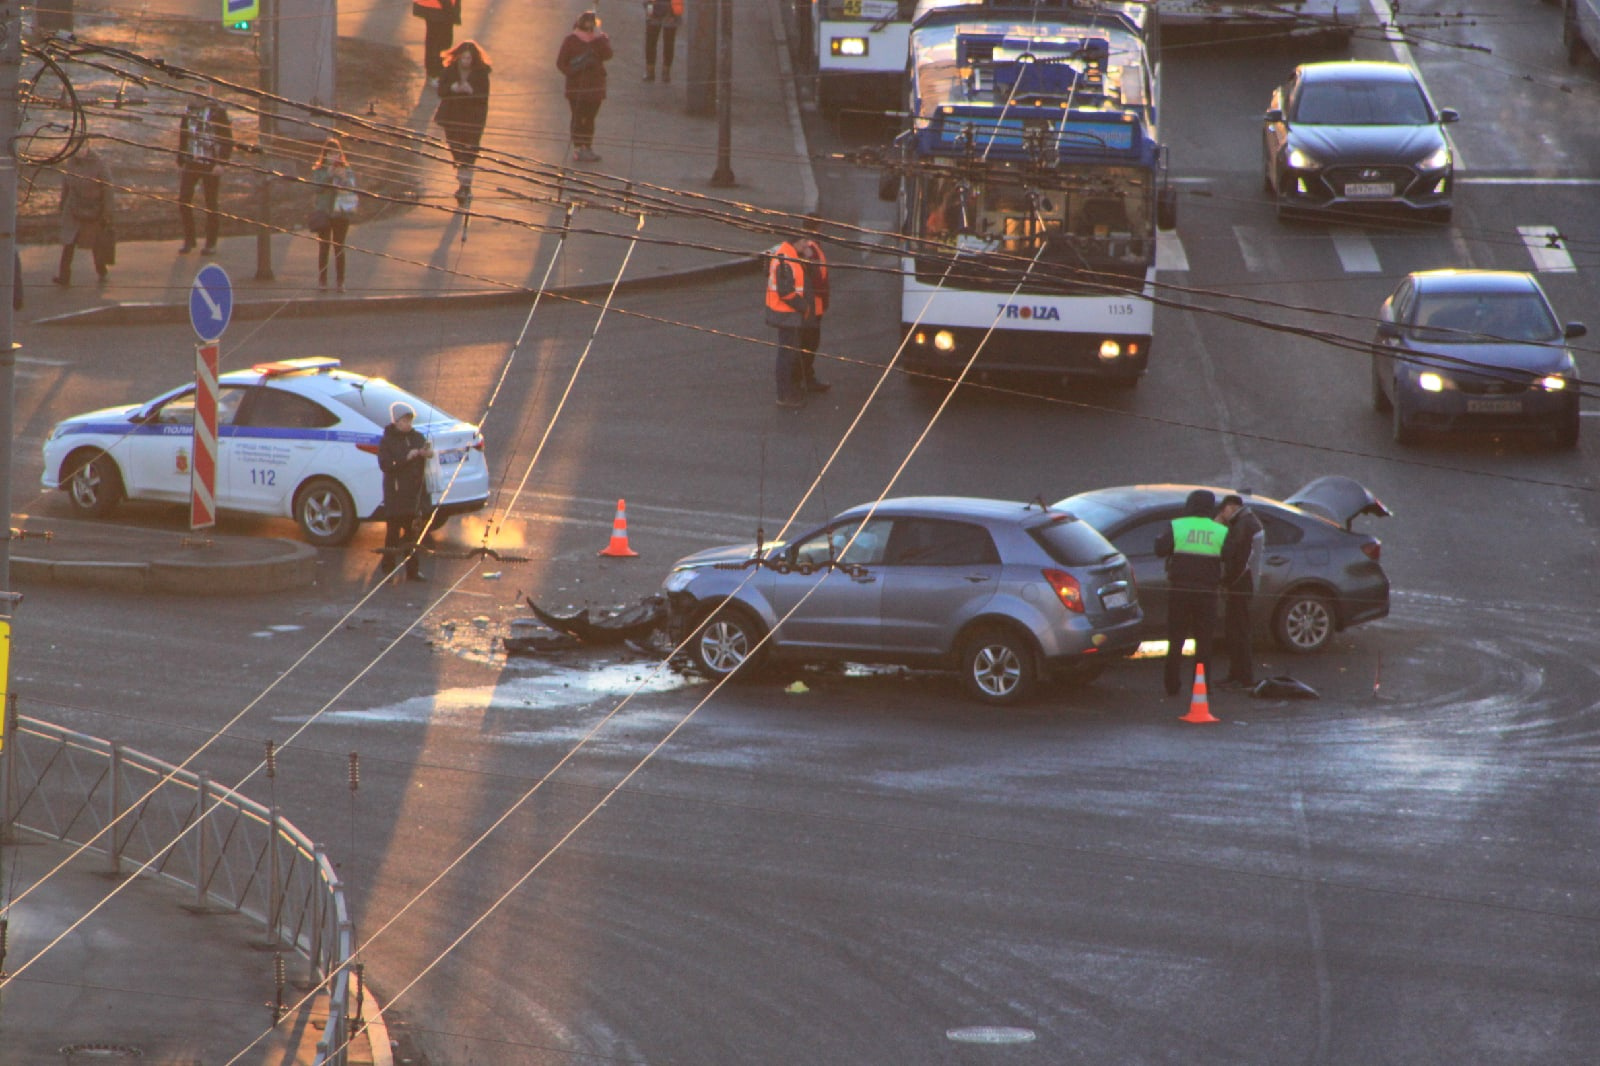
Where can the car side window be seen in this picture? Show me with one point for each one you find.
(276, 409)
(941, 542)
(1140, 539)
(228, 401)
(1279, 533)
(178, 411)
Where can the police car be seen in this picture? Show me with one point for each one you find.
(296, 439)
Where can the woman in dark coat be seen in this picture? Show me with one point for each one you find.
(85, 211)
(582, 60)
(464, 109)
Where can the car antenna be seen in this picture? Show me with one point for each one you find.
(761, 502)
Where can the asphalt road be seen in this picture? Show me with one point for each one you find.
(877, 871)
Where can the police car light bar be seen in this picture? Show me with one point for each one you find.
(297, 366)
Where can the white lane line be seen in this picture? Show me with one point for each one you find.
(1170, 255)
(1259, 251)
(1356, 253)
(1548, 249)
(1481, 179)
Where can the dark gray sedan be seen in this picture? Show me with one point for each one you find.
(1317, 575)
(1475, 349)
(1349, 136)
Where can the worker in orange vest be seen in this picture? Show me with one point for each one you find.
(816, 270)
(788, 309)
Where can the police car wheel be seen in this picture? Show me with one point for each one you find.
(95, 485)
(325, 512)
(997, 666)
(1303, 622)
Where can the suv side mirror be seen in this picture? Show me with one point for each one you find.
(1575, 330)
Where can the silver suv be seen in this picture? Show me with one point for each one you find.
(1006, 593)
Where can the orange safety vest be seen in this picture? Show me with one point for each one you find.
(790, 310)
(819, 276)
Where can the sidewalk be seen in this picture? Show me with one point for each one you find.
(430, 253)
(144, 977)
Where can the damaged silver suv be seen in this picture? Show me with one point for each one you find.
(1005, 593)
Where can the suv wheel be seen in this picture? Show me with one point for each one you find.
(997, 666)
(725, 641)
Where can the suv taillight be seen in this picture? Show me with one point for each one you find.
(1372, 549)
(1066, 589)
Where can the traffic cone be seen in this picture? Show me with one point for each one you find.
(1199, 705)
(619, 536)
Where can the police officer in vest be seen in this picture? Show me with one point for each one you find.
(789, 308)
(1192, 548)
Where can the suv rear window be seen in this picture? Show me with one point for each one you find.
(1071, 542)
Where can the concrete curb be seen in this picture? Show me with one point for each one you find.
(294, 566)
(129, 314)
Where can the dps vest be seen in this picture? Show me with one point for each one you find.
(1194, 535)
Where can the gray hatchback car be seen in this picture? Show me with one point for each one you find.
(1005, 593)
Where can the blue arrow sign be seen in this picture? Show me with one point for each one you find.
(210, 302)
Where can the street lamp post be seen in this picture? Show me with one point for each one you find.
(722, 178)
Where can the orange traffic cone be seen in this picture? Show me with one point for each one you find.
(619, 535)
(1199, 705)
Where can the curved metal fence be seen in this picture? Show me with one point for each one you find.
(147, 816)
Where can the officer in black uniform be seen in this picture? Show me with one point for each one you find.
(1241, 555)
(1192, 548)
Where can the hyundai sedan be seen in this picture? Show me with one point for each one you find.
(1317, 574)
(1005, 593)
(1352, 135)
(296, 438)
(1475, 349)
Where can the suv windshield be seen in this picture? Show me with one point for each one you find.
(1070, 541)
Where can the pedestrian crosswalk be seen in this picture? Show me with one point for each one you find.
(1276, 252)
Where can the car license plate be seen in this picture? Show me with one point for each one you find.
(452, 457)
(1113, 600)
(1511, 406)
(1373, 189)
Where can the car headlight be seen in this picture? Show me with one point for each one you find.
(678, 580)
(1553, 383)
(1438, 159)
(1299, 159)
(1428, 381)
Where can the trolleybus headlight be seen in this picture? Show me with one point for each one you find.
(945, 341)
(1109, 350)
(848, 46)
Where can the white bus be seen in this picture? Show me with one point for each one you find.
(1031, 183)
(859, 51)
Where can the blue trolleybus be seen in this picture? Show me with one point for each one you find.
(1030, 182)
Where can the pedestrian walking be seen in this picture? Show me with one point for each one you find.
(464, 109)
(86, 213)
(661, 18)
(205, 142)
(582, 60)
(440, 19)
(403, 455)
(1242, 552)
(788, 308)
(1192, 546)
(815, 264)
(336, 203)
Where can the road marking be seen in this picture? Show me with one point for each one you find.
(1548, 248)
(1170, 255)
(1259, 251)
(1481, 179)
(1356, 253)
(990, 1034)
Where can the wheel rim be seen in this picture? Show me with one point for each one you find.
(86, 486)
(1307, 624)
(724, 646)
(996, 669)
(322, 513)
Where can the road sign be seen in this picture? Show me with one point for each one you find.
(210, 302)
(203, 470)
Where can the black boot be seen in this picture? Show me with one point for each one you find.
(64, 271)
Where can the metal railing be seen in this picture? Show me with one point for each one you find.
(231, 852)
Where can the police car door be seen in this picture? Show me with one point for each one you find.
(275, 441)
(161, 450)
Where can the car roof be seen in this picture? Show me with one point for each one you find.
(954, 507)
(1349, 70)
(1475, 281)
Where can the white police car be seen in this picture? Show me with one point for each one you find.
(297, 438)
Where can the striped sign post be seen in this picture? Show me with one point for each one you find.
(203, 470)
